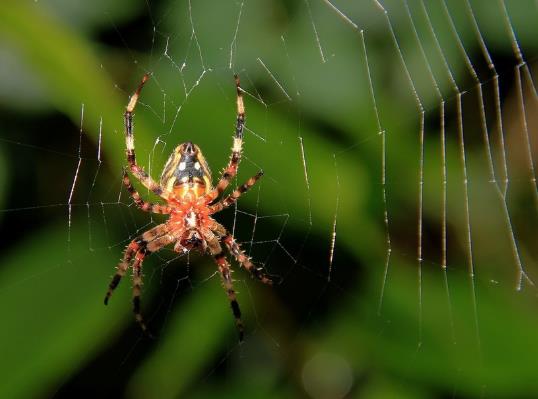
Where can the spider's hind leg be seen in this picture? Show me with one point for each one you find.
(137, 291)
(235, 249)
(148, 242)
(152, 246)
(227, 283)
(137, 245)
(244, 260)
(226, 275)
(130, 252)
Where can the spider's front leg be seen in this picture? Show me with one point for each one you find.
(231, 170)
(140, 203)
(136, 170)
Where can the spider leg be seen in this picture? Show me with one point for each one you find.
(227, 282)
(137, 289)
(136, 170)
(140, 243)
(234, 196)
(145, 206)
(152, 246)
(231, 170)
(131, 250)
(235, 249)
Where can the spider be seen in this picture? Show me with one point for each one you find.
(191, 200)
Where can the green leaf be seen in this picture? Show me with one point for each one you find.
(53, 317)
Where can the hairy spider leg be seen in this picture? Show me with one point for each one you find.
(235, 249)
(140, 203)
(234, 196)
(231, 170)
(150, 247)
(136, 170)
(244, 260)
(138, 244)
(227, 282)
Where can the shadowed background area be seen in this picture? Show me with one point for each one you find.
(397, 213)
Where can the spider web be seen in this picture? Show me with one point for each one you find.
(397, 212)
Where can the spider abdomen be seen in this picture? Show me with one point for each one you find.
(186, 170)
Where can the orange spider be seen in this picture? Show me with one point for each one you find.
(191, 199)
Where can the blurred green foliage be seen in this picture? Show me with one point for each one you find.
(429, 339)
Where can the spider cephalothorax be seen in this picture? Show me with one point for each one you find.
(187, 188)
